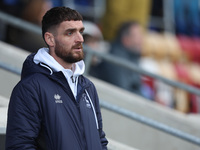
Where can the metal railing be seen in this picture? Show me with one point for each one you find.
(127, 64)
(2, 130)
(151, 123)
(123, 63)
(10, 68)
(19, 23)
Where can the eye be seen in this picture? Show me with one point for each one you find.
(69, 33)
(81, 32)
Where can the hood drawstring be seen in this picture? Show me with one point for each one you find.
(43, 65)
(95, 116)
(73, 79)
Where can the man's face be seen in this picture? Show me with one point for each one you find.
(134, 40)
(69, 40)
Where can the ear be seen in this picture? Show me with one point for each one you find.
(49, 38)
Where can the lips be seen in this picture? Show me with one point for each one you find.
(78, 46)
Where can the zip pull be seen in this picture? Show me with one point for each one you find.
(72, 78)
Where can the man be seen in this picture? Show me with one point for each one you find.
(127, 45)
(54, 107)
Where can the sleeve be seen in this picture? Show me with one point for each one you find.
(23, 124)
(102, 134)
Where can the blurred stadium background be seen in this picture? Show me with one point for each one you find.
(171, 49)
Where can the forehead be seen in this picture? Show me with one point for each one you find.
(136, 28)
(71, 25)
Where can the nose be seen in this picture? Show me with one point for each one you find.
(79, 38)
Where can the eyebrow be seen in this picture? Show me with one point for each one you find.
(74, 29)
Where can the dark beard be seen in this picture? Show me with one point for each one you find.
(71, 56)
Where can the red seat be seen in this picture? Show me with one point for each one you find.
(190, 46)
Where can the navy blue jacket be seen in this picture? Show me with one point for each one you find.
(43, 113)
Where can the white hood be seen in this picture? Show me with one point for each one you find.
(43, 56)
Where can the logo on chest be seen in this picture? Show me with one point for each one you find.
(86, 100)
(57, 98)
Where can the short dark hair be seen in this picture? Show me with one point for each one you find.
(57, 15)
(125, 28)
